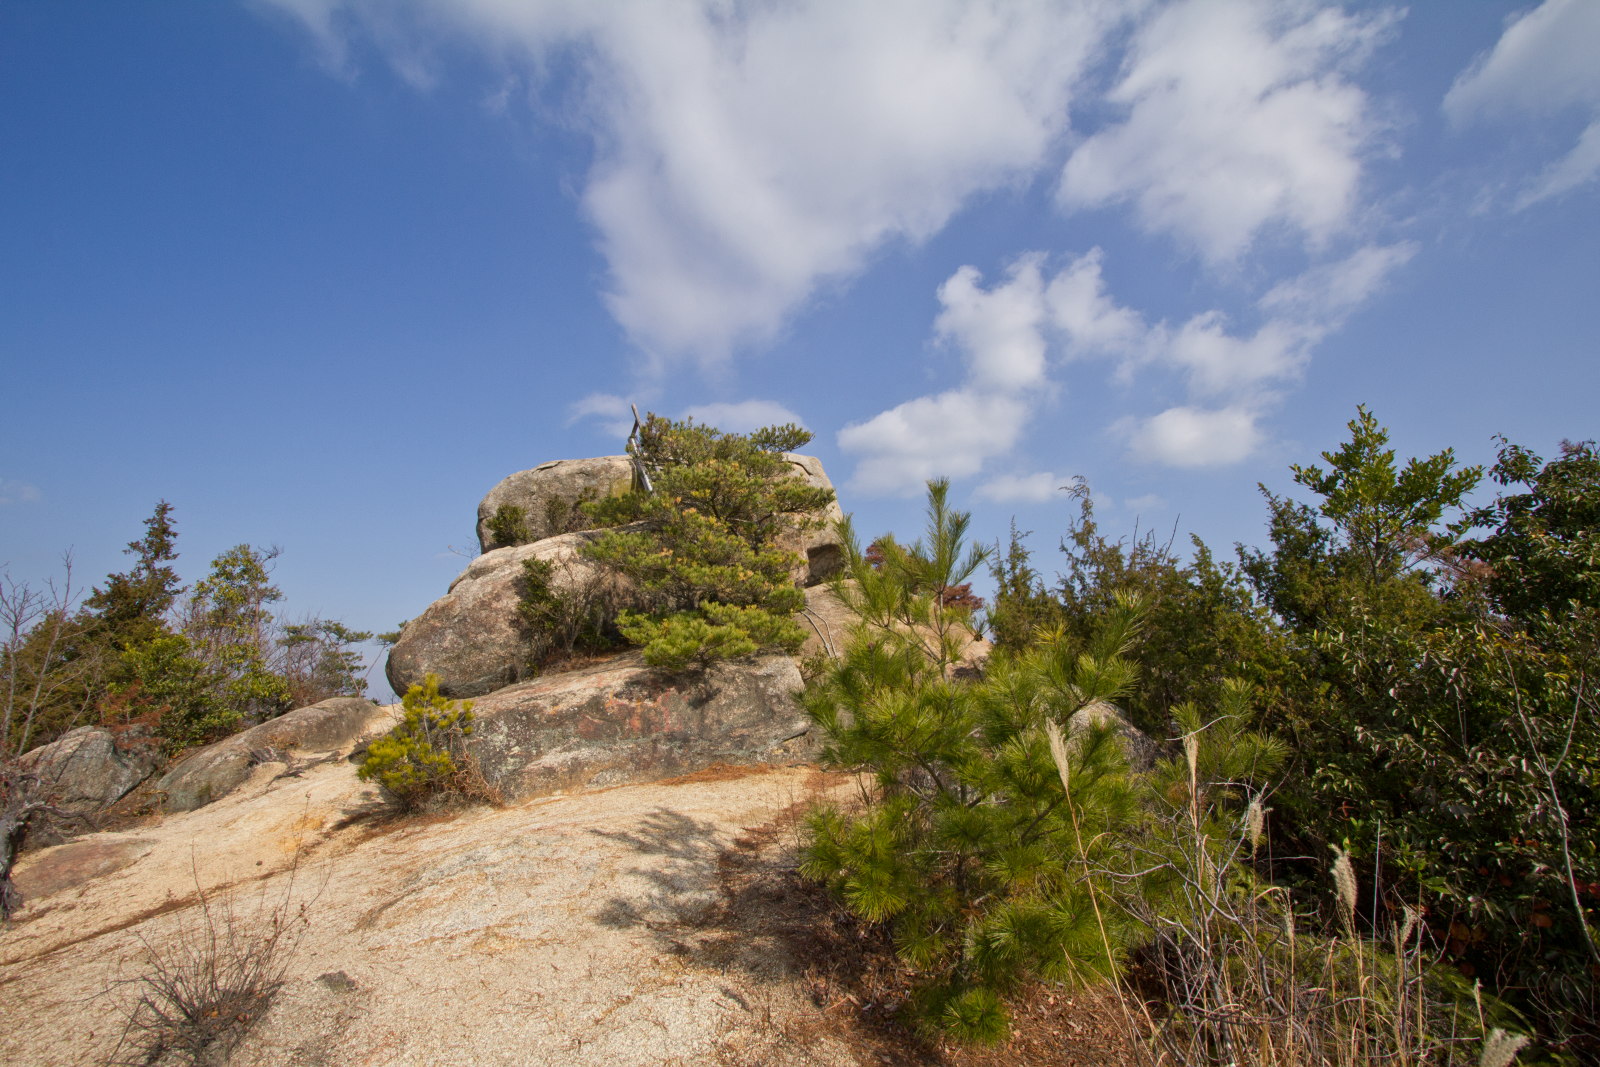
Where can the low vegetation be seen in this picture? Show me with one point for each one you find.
(204, 986)
(424, 757)
(1401, 683)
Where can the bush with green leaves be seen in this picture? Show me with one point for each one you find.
(425, 754)
(508, 526)
(705, 542)
(563, 619)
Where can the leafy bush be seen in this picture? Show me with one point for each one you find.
(425, 754)
(560, 624)
(1242, 979)
(508, 526)
(713, 632)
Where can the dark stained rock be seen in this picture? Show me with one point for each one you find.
(625, 722)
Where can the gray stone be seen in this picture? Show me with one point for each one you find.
(472, 638)
(816, 542)
(1140, 750)
(87, 770)
(216, 770)
(828, 624)
(626, 722)
(550, 493)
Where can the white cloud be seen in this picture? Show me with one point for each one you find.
(14, 492)
(746, 153)
(999, 328)
(743, 416)
(1545, 61)
(1240, 118)
(1008, 332)
(1192, 437)
(1326, 292)
(614, 412)
(953, 434)
(950, 435)
(1031, 488)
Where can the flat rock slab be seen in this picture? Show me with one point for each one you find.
(555, 932)
(79, 861)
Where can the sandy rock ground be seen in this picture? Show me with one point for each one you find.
(579, 929)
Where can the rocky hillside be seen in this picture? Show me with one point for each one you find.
(568, 924)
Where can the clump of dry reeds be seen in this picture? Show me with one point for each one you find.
(1227, 976)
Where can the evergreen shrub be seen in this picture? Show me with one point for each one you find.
(424, 755)
(701, 550)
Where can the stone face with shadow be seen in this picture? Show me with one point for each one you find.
(623, 722)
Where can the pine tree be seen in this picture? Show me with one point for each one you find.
(704, 552)
(990, 819)
(132, 607)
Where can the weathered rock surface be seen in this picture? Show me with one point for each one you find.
(86, 770)
(1142, 752)
(216, 770)
(594, 929)
(817, 544)
(471, 637)
(550, 493)
(626, 722)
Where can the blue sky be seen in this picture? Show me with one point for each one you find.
(321, 272)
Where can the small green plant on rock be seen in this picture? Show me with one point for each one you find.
(425, 755)
(561, 620)
(508, 526)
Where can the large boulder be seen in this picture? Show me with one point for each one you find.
(817, 542)
(87, 769)
(472, 637)
(216, 770)
(550, 493)
(626, 722)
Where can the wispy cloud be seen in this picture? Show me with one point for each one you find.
(744, 415)
(1545, 62)
(1013, 332)
(1023, 488)
(15, 492)
(1240, 119)
(747, 153)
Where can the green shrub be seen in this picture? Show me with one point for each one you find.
(703, 555)
(559, 625)
(714, 632)
(508, 526)
(982, 846)
(425, 754)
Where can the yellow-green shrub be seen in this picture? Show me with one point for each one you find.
(425, 754)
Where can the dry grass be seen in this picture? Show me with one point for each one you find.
(203, 986)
